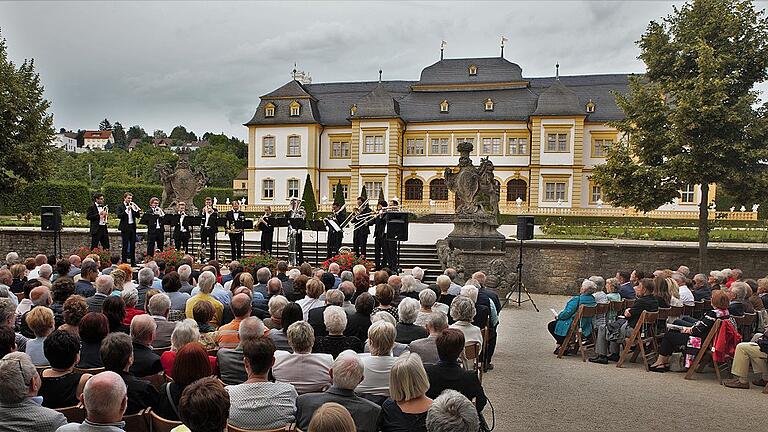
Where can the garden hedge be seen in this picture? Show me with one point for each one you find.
(28, 198)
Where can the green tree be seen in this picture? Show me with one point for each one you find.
(26, 127)
(338, 194)
(364, 194)
(220, 166)
(135, 132)
(105, 125)
(310, 203)
(180, 133)
(158, 134)
(381, 196)
(690, 120)
(119, 134)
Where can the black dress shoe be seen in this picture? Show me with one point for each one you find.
(599, 359)
(613, 357)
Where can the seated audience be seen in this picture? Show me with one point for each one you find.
(191, 365)
(145, 361)
(463, 311)
(559, 327)
(348, 289)
(307, 371)
(89, 271)
(130, 297)
(257, 403)
(299, 287)
(749, 353)
(61, 291)
(40, 296)
(452, 412)
(206, 282)
(230, 361)
(61, 385)
(762, 290)
(228, 335)
(8, 318)
(73, 310)
(410, 287)
(335, 321)
(427, 300)
(93, 328)
(444, 297)
(333, 297)
(203, 312)
(674, 340)
(661, 290)
(358, 322)
(448, 373)
(40, 321)
(315, 289)
(104, 285)
(105, 398)
(753, 297)
(276, 305)
(159, 307)
(406, 409)
(204, 406)
(114, 309)
(291, 313)
(716, 280)
(118, 280)
(332, 417)
(737, 293)
(347, 373)
(186, 279)
(7, 340)
(701, 289)
(171, 288)
(19, 273)
(398, 348)
(407, 331)
(19, 410)
(685, 294)
(186, 332)
(385, 295)
(426, 347)
(117, 356)
(381, 339)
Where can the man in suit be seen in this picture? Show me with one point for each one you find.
(235, 218)
(153, 219)
(97, 215)
(209, 217)
(158, 309)
(391, 245)
(360, 235)
(145, 361)
(379, 235)
(181, 232)
(231, 367)
(426, 347)
(625, 286)
(347, 373)
(333, 297)
(335, 237)
(129, 214)
(104, 286)
(267, 231)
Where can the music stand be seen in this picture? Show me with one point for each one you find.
(271, 224)
(245, 224)
(397, 230)
(317, 226)
(297, 224)
(192, 222)
(278, 222)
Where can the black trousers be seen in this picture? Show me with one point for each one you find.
(359, 241)
(379, 252)
(266, 242)
(208, 237)
(390, 252)
(155, 240)
(128, 239)
(333, 243)
(672, 341)
(181, 239)
(100, 237)
(491, 347)
(299, 247)
(551, 327)
(236, 246)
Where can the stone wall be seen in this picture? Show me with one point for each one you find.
(29, 241)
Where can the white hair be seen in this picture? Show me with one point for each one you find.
(185, 332)
(16, 375)
(381, 338)
(588, 286)
(206, 281)
(153, 266)
(293, 273)
(276, 305)
(46, 271)
(470, 291)
(334, 268)
(348, 370)
(251, 328)
(105, 284)
(463, 309)
(443, 281)
(263, 275)
(408, 310)
(718, 275)
(408, 284)
(417, 273)
(452, 412)
(185, 271)
(599, 282)
(335, 319)
(146, 276)
(427, 298)
(383, 316)
(437, 321)
(130, 296)
(159, 304)
(142, 327)
(11, 258)
(301, 337)
(359, 269)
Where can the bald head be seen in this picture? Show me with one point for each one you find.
(104, 284)
(105, 398)
(40, 296)
(395, 282)
(143, 329)
(40, 259)
(274, 286)
(479, 276)
(241, 305)
(74, 260)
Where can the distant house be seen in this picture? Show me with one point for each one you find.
(163, 142)
(66, 141)
(240, 183)
(191, 146)
(98, 140)
(134, 142)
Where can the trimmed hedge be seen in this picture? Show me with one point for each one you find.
(28, 198)
(113, 193)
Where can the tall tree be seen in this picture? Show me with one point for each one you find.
(105, 125)
(158, 134)
(381, 198)
(135, 132)
(364, 193)
(690, 120)
(310, 203)
(119, 134)
(338, 194)
(180, 133)
(26, 127)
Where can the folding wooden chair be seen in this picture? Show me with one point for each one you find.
(661, 322)
(575, 333)
(137, 422)
(628, 303)
(472, 353)
(704, 356)
(92, 371)
(700, 307)
(74, 414)
(571, 333)
(159, 424)
(486, 334)
(157, 380)
(160, 350)
(617, 308)
(643, 333)
(747, 326)
(676, 311)
(289, 427)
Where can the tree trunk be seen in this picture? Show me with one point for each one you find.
(703, 229)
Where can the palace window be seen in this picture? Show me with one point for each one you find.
(268, 189)
(374, 144)
(414, 189)
(295, 109)
(555, 190)
(440, 146)
(600, 147)
(517, 146)
(590, 106)
(373, 188)
(595, 193)
(470, 140)
(472, 70)
(268, 146)
(557, 142)
(517, 188)
(444, 106)
(492, 146)
(293, 188)
(353, 110)
(294, 145)
(438, 190)
(340, 149)
(344, 188)
(488, 104)
(414, 147)
(269, 110)
(688, 194)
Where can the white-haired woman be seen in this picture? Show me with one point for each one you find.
(427, 300)
(463, 312)
(131, 298)
(377, 363)
(307, 371)
(335, 319)
(398, 348)
(406, 409)
(276, 305)
(407, 331)
(410, 287)
(205, 283)
(186, 332)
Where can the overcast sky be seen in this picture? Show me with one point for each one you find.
(204, 65)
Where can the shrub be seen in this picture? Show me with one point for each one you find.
(253, 262)
(172, 258)
(113, 193)
(29, 197)
(347, 261)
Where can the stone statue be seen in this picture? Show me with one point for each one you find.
(181, 184)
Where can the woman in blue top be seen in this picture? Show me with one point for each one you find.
(559, 327)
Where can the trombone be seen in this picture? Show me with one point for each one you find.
(354, 213)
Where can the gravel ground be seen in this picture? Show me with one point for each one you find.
(531, 390)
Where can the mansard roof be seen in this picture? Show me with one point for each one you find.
(281, 99)
(558, 99)
(456, 71)
(379, 103)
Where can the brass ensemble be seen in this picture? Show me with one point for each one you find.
(135, 207)
(373, 215)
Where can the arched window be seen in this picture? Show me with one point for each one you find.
(517, 188)
(414, 189)
(438, 190)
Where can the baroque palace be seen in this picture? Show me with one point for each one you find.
(544, 136)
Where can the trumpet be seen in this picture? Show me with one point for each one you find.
(208, 209)
(333, 215)
(263, 220)
(135, 207)
(158, 211)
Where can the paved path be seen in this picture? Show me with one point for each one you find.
(532, 390)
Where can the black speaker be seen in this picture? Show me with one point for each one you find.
(525, 227)
(397, 226)
(50, 218)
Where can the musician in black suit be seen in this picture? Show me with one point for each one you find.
(390, 250)
(153, 219)
(208, 230)
(267, 231)
(181, 232)
(379, 224)
(235, 217)
(128, 213)
(97, 215)
(360, 235)
(335, 237)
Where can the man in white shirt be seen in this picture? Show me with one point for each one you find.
(40, 259)
(686, 296)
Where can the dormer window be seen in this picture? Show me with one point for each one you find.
(353, 110)
(488, 104)
(269, 110)
(444, 106)
(295, 109)
(590, 106)
(472, 70)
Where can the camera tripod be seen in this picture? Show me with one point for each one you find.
(519, 286)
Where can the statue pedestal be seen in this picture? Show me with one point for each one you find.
(473, 236)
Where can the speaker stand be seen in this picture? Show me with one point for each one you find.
(519, 286)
